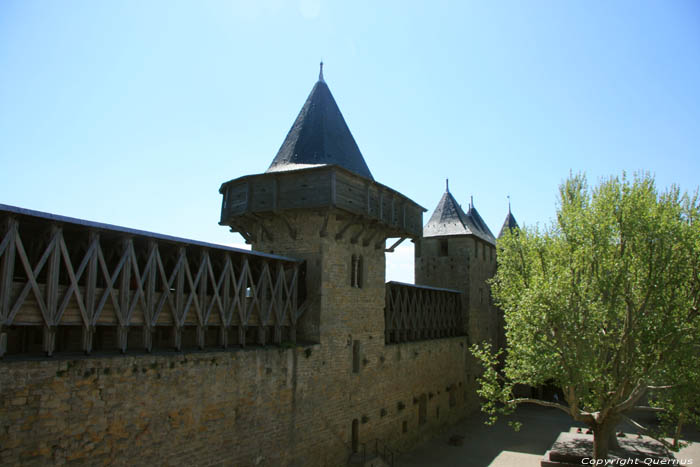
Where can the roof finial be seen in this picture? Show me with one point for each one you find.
(447, 185)
(320, 73)
(508, 203)
(471, 202)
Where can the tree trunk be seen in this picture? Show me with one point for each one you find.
(604, 439)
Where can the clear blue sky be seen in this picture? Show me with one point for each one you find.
(134, 112)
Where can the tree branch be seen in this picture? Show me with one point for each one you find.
(577, 415)
(648, 409)
(634, 396)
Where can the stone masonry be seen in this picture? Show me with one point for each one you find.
(315, 402)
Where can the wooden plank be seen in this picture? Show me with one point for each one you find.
(236, 199)
(139, 296)
(74, 289)
(109, 291)
(29, 313)
(333, 189)
(124, 286)
(165, 295)
(179, 288)
(53, 275)
(216, 298)
(31, 280)
(229, 279)
(203, 285)
(352, 195)
(7, 250)
(262, 195)
(91, 291)
(194, 297)
(275, 193)
(150, 275)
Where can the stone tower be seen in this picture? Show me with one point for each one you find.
(458, 251)
(319, 202)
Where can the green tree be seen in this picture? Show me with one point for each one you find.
(604, 304)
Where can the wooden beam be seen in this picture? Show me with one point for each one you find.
(324, 228)
(344, 229)
(180, 291)
(355, 237)
(150, 274)
(247, 236)
(334, 189)
(275, 193)
(124, 294)
(74, 289)
(7, 268)
(260, 222)
(91, 291)
(292, 231)
(31, 280)
(393, 247)
(53, 275)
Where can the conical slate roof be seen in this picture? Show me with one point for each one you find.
(483, 230)
(320, 136)
(510, 223)
(449, 219)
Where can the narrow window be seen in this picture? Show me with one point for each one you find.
(453, 396)
(355, 356)
(404, 426)
(359, 272)
(355, 435)
(443, 247)
(356, 272)
(422, 409)
(353, 270)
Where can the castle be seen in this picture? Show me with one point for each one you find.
(294, 354)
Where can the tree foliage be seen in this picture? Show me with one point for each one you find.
(603, 303)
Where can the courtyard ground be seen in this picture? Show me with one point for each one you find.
(501, 446)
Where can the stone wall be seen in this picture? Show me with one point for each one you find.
(466, 264)
(265, 406)
(272, 406)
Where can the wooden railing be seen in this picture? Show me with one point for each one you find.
(72, 285)
(416, 312)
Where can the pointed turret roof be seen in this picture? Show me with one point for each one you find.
(510, 223)
(449, 219)
(483, 230)
(320, 136)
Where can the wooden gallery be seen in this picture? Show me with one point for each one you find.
(127, 347)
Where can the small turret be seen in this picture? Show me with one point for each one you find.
(458, 251)
(509, 224)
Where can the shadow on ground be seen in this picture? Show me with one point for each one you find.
(500, 445)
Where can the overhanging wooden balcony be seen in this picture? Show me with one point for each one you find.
(318, 188)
